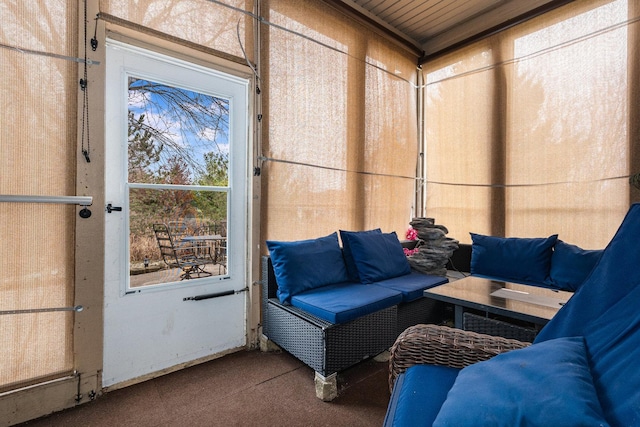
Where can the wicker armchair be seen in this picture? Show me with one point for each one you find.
(442, 345)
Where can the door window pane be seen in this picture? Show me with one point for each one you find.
(178, 177)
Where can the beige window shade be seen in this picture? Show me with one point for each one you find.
(340, 125)
(38, 96)
(214, 25)
(530, 132)
(36, 260)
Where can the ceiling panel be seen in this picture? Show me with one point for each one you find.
(435, 25)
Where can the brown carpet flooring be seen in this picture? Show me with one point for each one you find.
(249, 388)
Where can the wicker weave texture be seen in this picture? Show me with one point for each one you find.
(366, 336)
(484, 325)
(442, 345)
(297, 336)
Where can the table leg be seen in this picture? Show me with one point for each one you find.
(458, 317)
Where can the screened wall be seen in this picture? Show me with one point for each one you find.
(340, 124)
(534, 131)
(226, 27)
(37, 157)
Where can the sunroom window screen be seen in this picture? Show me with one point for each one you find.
(532, 132)
(213, 25)
(340, 124)
(38, 97)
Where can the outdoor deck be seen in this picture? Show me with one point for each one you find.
(167, 275)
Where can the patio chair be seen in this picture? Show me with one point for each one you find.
(191, 258)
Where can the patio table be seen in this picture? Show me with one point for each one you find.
(510, 301)
(217, 240)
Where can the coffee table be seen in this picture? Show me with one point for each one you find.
(509, 300)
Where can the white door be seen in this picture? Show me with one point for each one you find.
(176, 216)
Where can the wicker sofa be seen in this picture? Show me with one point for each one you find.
(546, 262)
(331, 319)
(580, 370)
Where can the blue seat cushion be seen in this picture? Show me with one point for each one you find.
(418, 394)
(570, 265)
(412, 285)
(342, 302)
(523, 260)
(546, 384)
(306, 264)
(377, 256)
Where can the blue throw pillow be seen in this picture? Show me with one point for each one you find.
(352, 270)
(377, 256)
(306, 264)
(519, 259)
(570, 265)
(541, 385)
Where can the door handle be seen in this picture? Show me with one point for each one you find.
(110, 208)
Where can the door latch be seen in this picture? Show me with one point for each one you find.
(110, 208)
